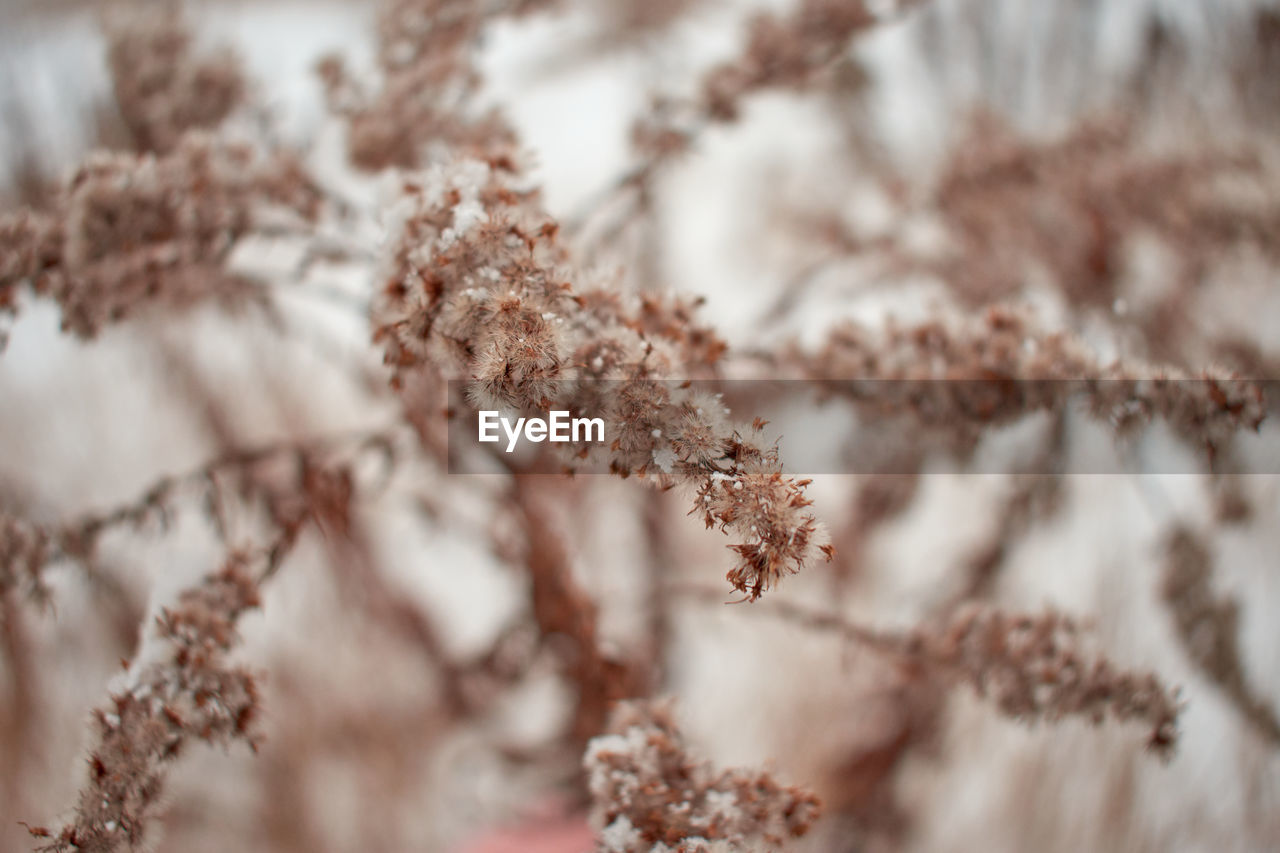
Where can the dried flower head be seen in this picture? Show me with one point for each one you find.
(478, 286)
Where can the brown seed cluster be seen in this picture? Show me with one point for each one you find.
(650, 796)
(162, 88)
(190, 692)
(963, 375)
(1033, 668)
(134, 230)
(479, 287)
(424, 104)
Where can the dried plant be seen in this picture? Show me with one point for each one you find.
(1033, 667)
(476, 288)
(487, 662)
(967, 375)
(787, 51)
(133, 231)
(1069, 205)
(425, 50)
(1207, 625)
(1030, 667)
(162, 90)
(651, 796)
(188, 691)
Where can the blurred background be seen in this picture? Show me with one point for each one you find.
(963, 154)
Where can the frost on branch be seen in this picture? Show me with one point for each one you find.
(188, 692)
(651, 796)
(478, 288)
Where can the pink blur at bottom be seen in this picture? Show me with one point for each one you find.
(549, 836)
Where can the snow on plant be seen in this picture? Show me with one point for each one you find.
(1074, 282)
